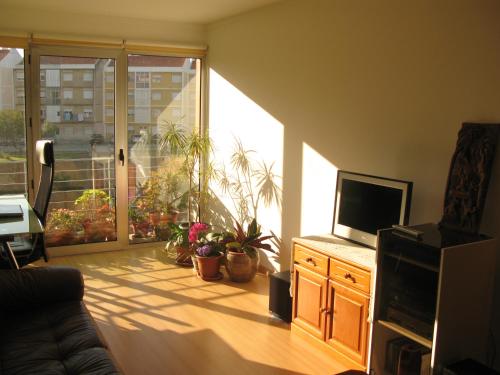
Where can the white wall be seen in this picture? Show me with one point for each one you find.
(23, 20)
(374, 87)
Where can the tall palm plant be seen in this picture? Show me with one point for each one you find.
(193, 148)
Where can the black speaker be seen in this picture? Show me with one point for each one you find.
(280, 302)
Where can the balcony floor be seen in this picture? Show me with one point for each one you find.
(158, 318)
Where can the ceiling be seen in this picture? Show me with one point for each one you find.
(190, 11)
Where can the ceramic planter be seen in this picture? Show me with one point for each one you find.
(240, 267)
(208, 267)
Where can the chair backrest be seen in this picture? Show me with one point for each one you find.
(45, 154)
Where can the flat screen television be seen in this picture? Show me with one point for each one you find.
(365, 204)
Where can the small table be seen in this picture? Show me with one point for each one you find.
(14, 226)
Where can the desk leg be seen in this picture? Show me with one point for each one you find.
(10, 255)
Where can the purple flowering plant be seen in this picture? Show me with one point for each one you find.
(206, 243)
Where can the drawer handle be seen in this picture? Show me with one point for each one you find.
(348, 276)
(324, 310)
(310, 260)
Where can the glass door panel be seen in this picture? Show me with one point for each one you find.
(77, 109)
(13, 167)
(161, 91)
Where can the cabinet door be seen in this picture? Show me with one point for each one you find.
(347, 326)
(309, 302)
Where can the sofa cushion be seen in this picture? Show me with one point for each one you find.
(54, 339)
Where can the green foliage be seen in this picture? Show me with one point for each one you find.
(64, 219)
(49, 130)
(179, 236)
(193, 148)
(12, 127)
(250, 240)
(95, 204)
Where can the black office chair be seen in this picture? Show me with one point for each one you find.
(28, 250)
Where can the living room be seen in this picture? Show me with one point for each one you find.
(312, 87)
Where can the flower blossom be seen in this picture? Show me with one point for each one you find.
(195, 229)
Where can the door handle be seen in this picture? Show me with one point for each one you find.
(121, 156)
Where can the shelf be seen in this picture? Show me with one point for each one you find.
(412, 261)
(407, 333)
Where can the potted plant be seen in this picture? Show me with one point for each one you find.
(209, 248)
(179, 241)
(242, 256)
(189, 150)
(98, 217)
(63, 227)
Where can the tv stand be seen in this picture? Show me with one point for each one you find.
(331, 287)
(434, 291)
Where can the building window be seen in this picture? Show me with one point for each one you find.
(142, 80)
(20, 75)
(109, 112)
(156, 95)
(42, 75)
(110, 77)
(20, 93)
(42, 93)
(68, 93)
(176, 95)
(156, 78)
(52, 78)
(88, 94)
(67, 76)
(142, 97)
(176, 78)
(88, 76)
(109, 95)
(87, 113)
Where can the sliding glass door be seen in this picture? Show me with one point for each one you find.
(162, 96)
(74, 100)
(108, 113)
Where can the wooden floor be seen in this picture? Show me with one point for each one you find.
(159, 318)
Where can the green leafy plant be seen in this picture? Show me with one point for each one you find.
(193, 148)
(64, 219)
(248, 241)
(178, 236)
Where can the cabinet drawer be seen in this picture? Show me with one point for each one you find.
(311, 259)
(350, 275)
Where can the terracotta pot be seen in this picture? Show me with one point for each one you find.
(240, 267)
(208, 267)
(169, 217)
(154, 218)
(59, 237)
(183, 257)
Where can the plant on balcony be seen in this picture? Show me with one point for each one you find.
(138, 220)
(64, 227)
(98, 215)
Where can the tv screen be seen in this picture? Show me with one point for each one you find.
(365, 204)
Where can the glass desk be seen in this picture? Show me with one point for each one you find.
(14, 226)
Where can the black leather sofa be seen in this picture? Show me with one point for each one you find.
(45, 327)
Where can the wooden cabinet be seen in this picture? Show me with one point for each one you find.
(309, 311)
(331, 299)
(347, 323)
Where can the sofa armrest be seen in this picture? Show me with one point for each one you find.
(32, 287)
